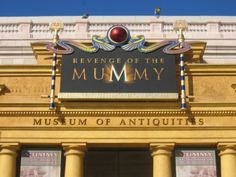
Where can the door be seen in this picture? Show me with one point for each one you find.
(118, 163)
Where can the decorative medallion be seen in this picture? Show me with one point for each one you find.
(118, 35)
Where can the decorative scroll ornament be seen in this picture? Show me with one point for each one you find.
(118, 36)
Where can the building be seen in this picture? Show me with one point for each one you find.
(116, 137)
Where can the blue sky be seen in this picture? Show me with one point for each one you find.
(116, 7)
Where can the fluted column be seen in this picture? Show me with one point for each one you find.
(161, 153)
(228, 159)
(74, 155)
(8, 154)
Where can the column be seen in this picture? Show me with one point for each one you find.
(228, 159)
(8, 154)
(74, 155)
(161, 153)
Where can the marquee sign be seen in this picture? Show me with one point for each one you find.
(118, 66)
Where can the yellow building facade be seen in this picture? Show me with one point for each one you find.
(159, 127)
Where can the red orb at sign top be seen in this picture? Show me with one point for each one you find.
(118, 35)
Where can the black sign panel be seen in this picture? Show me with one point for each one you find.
(118, 74)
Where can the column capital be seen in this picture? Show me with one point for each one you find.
(227, 148)
(74, 148)
(9, 148)
(162, 148)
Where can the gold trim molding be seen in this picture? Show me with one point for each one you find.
(215, 113)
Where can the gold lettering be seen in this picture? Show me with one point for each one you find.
(72, 121)
(136, 60)
(103, 61)
(47, 121)
(89, 60)
(122, 122)
(82, 60)
(155, 60)
(118, 76)
(173, 121)
(95, 74)
(130, 60)
(179, 121)
(77, 76)
(132, 122)
(201, 122)
(147, 60)
(162, 60)
(158, 73)
(141, 121)
(111, 60)
(96, 60)
(37, 122)
(75, 60)
(137, 74)
(118, 60)
(55, 122)
(82, 122)
(186, 122)
(156, 122)
(165, 121)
